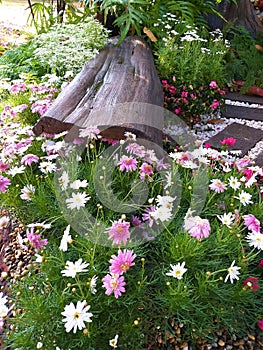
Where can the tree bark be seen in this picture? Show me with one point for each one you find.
(241, 14)
(117, 91)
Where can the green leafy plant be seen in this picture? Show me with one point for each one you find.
(244, 60)
(193, 57)
(49, 52)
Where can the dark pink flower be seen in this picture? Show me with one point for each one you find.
(252, 223)
(260, 324)
(119, 232)
(177, 110)
(114, 283)
(251, 283)
(230, 141)
(35, 239)
(28, 159)
(135, 221)
(207, 145)
(215, 104)
(127, 163)
(4, 183)
(248, 173)
(122, 262)
(260, 264)
(3, 166)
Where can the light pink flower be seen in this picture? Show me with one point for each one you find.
(28, 159)
(119, 232)
(122, 262)
(147, 216)
(4, 183)
(252, 223)
(127, 163)
(197, 227)
(230, 141)
(17, 87)
(114, 283)
(145, 170)
(217, 186)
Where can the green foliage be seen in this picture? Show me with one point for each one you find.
(244, 60)
(194, 58)
(49, 52)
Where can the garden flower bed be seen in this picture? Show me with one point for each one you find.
(127, 246)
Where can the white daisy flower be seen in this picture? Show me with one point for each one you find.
(47, 167)
(92, 285)
(72, 268)
(27, 192)
(227, 219)
(77, 200)
(66, 238)
(232, 272)
(75, 317)
(234, 182)
(64, 180)
(177, 270)
(77, 184)
(113, 342)
(255, 239)
(244, 198)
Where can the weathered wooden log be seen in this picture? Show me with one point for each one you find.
(118, 90)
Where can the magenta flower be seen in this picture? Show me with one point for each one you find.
(260, 324)
(177, 110)
(215, 104)
(4, 183)
(252, 223)
(135, 221)
(213, 84)
(28, 159)
(260, 264)
(114, 283)
(197, 227)
(35, 239)
(145, 170)
(230, 141)
(251, 283)
(248, 173)
(119, 232)
(122, 262)
(217, 186)
(127, 163)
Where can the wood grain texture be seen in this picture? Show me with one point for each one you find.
(118, 90)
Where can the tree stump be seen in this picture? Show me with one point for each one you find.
(240, 14)
(118, 90)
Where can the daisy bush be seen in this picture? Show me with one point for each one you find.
(125, 240)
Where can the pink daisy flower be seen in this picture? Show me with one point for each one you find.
(36, 240)
(145, 170)
(217, 186)
(114, 283)
(3, 166)
(119, 232)
(28, 159)
(127, 163)
(252, 223)
(4, 183)
(197, 227)
(122, 262)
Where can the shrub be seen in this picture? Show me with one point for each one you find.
(63, 48)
